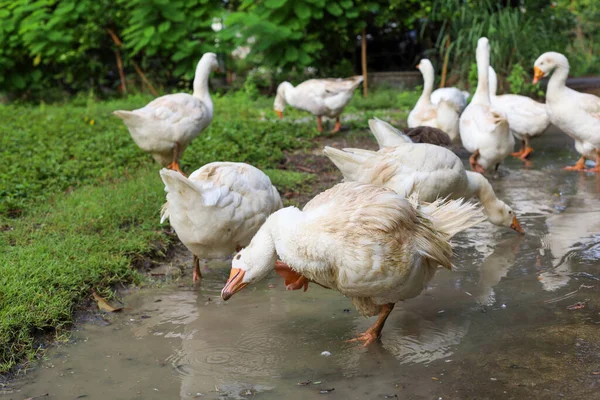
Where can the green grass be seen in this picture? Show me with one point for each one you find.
(79, 201)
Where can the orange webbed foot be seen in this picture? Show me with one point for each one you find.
(526, 153)
(575, 167)
(368, 337)
(478, 168)
(293, 280)
(337, 127)
(517, 154)
(175, 167)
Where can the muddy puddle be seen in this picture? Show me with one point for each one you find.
(519, 318)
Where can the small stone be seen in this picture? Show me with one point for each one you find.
(325, 354)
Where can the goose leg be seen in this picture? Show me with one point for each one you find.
(175, 163)
(320, 123)
(519, 153)
(579, 166)
(337, 126)
(293, 280)
(475, 166)
(526, 149)
(374, 332)
(196, 275)
(597, 166)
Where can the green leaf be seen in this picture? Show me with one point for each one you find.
(291, 54)
(164, 26)
(302, 10)
(346, 4)
(334, 10)
(275, 3)
(149, 31)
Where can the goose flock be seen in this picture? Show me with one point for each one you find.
(379, 236)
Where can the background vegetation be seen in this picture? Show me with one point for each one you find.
(49, 47)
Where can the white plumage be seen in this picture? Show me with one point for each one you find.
(365, 241)
(484, 129)
(219, 207)
(526, 117)
(444, 115)
(577, 114)
(430, 171)
(454, 95)
(168, 124)
(320, 97)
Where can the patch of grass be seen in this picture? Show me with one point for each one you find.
(61, 249)
(290, 180)
(384, 98)
(79, 200)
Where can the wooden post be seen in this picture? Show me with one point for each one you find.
(121, 73)
(446, 57)
(364, 62)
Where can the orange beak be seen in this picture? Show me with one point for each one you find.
(515, 225)
(234, 283)
(279, 114)
(537, 75)
(418, 66)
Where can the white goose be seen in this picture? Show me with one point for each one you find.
(483, 129)
(443, 116)
(320, 97)
(577, 114)
(527, 118)
(454, 95)
(168, 124)
(365, 241)
(218, 209)
(430, 171)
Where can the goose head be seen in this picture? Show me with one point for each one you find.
(280, 100)
(546, 63)
(252, 263)
(502, 215)
(209, 62)
(425, 67)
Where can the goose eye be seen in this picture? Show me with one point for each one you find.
(238, 256)
(510, 212)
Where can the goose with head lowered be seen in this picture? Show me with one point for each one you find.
(218, 209)
(168, 124)
(320, 97)
(427, 170)
(454, 95)
(577, 114)
(484, 129)
(365, 241)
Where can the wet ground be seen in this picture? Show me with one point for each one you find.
(519, 318)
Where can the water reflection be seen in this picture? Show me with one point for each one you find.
(572, 231)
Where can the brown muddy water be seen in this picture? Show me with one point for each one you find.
(507, 324)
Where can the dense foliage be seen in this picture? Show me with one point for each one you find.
(52, 47)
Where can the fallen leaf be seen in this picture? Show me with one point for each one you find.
(103, 305)
(433, 378)
(316, 382)
(303, 383)
(577, 306)
(37, 397)
(595, 372)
